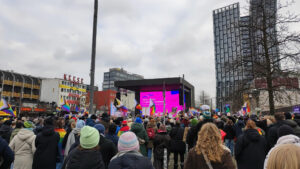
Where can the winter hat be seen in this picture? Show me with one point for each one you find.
(28, 124)
(124, 122)
(80, 124)
(138, 120)
(89, 137)
(100, 128)
(287, 115)
(128, 142)
(194, 122)
(285, 130)
(206, 115)
(49, 121)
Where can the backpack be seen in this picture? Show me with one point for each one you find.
(151, 133)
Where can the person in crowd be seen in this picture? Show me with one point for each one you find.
(59, 128)
(71, 125)
(297, 118)
(91, 121)
(138, 129)
(107, 148)
(177, 146)
(129, 156)
(220, 124)
(74, 136)
(18, 127)
(6, 154)
(111, 135)
(238, 127)
(6, 130)
(124, 128)
(230, 135)
(87, 154)
(46, 142)
(251, 148)
(23, 146)
(286, 156)
(151, 131)
(272, 135)
(38, 126)
(286, 136)
(209, 151)
(194, 122)
(292, 123)
(193, 132)
(161, 143)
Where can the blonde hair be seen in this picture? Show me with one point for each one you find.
(210, 142)
(250, 124)
(285, 156)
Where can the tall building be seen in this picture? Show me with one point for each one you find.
(238, 49)
(117, 74)
(227, 52)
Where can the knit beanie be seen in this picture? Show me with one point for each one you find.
(28, 124)
(128, 142)
(206, 115)
(138, 120)
(80, 124)
(100, 128)
(285, 130)
(89, 137)
(194, 122)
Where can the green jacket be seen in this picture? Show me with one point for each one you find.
(141, 133)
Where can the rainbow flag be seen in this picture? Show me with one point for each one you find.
(3, 104)
(66, 107)
(58, 109)
(9, 111)
(139, 107)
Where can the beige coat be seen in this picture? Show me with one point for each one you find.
(23, 145)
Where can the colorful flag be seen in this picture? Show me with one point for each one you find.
(118, 103)
(139, 107)
(58, 109)
(113, 109)
(152, 107)
(9, 111)
(77, 109)
(3, 104)
(66, 107)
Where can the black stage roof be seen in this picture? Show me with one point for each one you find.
(154, 84)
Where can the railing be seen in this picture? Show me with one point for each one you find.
(4, 93)
(35, 96)
(18, 84)
(36, 87)
(27, 96)
(16, 94)
(8, 82)
(27, 85)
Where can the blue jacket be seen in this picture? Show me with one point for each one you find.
(90, 122)
(6, 153)
(130, 160)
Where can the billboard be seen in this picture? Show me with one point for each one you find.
(172, 100)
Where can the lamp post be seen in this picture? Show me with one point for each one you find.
(92, 74)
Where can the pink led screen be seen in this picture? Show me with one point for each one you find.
(172, 100)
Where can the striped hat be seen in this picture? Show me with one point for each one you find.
(128, 142)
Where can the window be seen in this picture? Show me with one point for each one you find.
(62, 89)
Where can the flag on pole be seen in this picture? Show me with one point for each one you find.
(113, 109)
(152, 107)
(118, 103)
(66, 107)
(77, 109)
(9, 111)
(3, 104)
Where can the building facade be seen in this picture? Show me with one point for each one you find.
(117, 74)
(64, 90)
(19, 89)
(102, 100)
(238, 49)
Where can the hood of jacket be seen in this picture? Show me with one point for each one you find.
(76, 130)
(25, 135)
(291, 123)
(48, 131)
(5, 128)
(137, 127)
(288, 139)
(252, 135)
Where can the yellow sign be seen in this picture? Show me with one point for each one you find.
(72, 88)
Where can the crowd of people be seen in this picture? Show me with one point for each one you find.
(203, 141)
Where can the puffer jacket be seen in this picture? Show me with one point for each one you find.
(84, 159)
(294, 125)
(130, 160)
(141, 133)
(23, 145)
(5, 132)
(288, 139)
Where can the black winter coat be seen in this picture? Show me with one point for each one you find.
(176, 143)
(5, 132)
(84, 159)
(160, 143)
(272, 134)
(230, 132)
(6, 153)
(46, 154)
(108, 149)
(192, 135)
(250, 150)
(130, 160)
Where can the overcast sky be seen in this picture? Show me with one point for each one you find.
(154, 38)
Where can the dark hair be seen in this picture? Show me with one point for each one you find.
(19, 125)
(49, 121)
(8, 122)
(93, 116)
(112, 128)
(220, 124)
(59, 123)
(287, 115)
(279, 116)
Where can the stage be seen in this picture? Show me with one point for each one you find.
(152, 89)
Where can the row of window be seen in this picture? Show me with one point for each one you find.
(71, 91)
